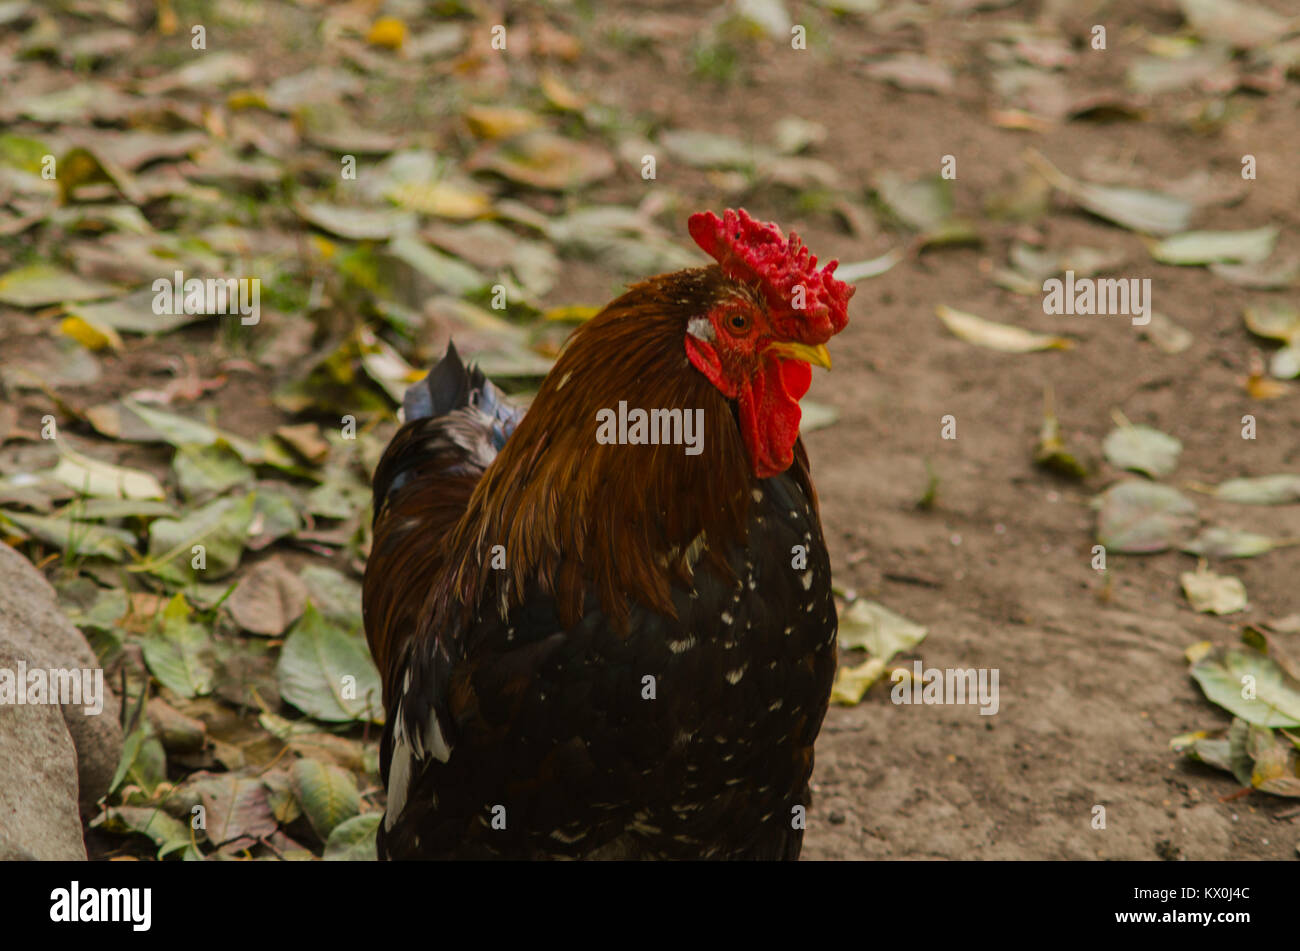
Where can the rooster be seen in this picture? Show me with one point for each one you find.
(602, 640)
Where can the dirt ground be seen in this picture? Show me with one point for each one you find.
(1093, 680)
(1093, 684)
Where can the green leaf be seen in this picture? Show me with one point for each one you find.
(883, 633)
(700, 149)
(1142, 449)
(356, 224)
(1261, 490)
(335, 595)
(1143, 517)
(869, 625)
(203, 471)
(1229, 543)
(353, 840)
(143, 761)
(73, 536)
(326, 673)
(1133, 208)
(167, 832)
(181, 655)
(39, 285)
(221, 527)
(327, 793)
(1207, 247)
(1051, 452)
(131, 314)
(1226, 673)
(104, 480)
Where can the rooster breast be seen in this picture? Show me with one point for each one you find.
(685, 737)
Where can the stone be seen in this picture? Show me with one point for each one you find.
(56, 760)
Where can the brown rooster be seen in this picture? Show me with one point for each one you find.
(605, 628)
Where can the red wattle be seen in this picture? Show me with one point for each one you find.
(770, 415)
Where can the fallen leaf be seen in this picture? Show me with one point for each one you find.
(216, 533)
(1230, 543)
(353, 840)
(180, 656)
(855, 271)
(328, 795)
(1211, 593)
(995, 336)
(1143, 517)
(1166, 335)
(205, 471)
(547, 161)
(1134, 208)
(1244, 25)
(1272, 698)
(882, 632)
(103, 480)
(1051, 452)
(38, 285)
(388, 32)
(1278, 489)
(1206, 247)
(268, 598)
(852, 683)
(328, 674)
(913, 72)
(1142, 449)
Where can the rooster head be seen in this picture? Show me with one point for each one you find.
(758, 342)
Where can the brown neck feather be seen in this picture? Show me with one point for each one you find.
(576, 515)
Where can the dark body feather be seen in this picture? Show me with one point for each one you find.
(519, 722)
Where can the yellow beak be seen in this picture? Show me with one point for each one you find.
(818, 355)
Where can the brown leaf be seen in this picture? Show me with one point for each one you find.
(268, 599)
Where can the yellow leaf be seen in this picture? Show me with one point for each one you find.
(442, 199)
(91, 335)
(995, 336)
(852, 683)
(166, 18)
(500, 122)
(559, 95)
(1196, 651)
(1261, 387)
(246, 99)
(575, 314)
(388, 32)
(324, 246)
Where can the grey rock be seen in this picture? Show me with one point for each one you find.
(38, 780)
(55, 760)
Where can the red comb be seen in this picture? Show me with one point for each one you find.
(757, 252)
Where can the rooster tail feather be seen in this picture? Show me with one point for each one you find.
(456, 422)
(452, 385)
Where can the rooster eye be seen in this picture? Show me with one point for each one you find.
(738, 322)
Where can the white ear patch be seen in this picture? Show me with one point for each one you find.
(701, 328)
